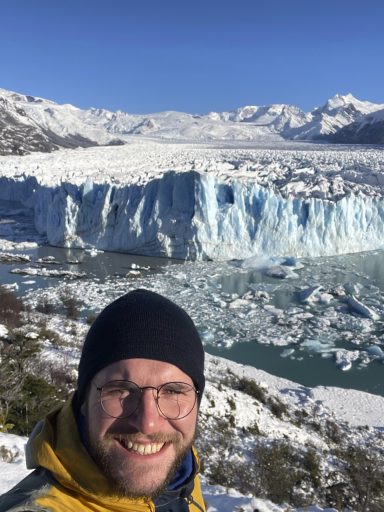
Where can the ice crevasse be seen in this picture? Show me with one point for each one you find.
(189, 215)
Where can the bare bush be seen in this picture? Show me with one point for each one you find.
(71, 304)
(11, 308)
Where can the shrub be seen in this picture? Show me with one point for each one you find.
(278, 471)
(7, 455)
(50, 335)
(254, 429)
(363, 475)
(36, 398)
(333, 431)
(278, 408)
(311, 463)
(251, 388)
(71, 304)
(231, 403)
(11, 308)
(45, 306)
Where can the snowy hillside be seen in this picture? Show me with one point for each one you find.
(47, 125)
(206, 201)
(244, 410)
(31, 124)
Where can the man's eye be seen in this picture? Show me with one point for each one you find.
(172, 390)
(117, 393)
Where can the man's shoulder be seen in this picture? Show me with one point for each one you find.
(21, 498)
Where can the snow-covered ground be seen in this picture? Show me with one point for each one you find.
(350, 408)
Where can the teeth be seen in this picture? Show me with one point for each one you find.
(142, 449)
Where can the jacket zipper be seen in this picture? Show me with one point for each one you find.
(191, 501)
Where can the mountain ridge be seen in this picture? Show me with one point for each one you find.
(29, 123)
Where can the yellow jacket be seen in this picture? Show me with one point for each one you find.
(67, 479)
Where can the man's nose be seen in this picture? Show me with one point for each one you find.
(147, 418)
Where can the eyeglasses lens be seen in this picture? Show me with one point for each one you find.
(175, 400)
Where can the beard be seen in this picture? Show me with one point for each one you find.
(131, 479)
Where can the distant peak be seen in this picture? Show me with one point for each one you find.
(339, 100)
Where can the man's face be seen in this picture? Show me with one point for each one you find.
(138, 454)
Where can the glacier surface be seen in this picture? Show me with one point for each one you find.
(194, 216)
(203, 202)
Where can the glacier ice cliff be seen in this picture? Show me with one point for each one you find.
(189, 215)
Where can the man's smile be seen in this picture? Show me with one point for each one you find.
(139, 447)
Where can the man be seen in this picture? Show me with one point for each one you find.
(124, 441)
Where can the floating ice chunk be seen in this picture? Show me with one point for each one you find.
(315, 346)
(93, 252)
(256, 262)
(291, 261)
(280, 271)
(309, 294)
(238, 303)
(338, 291)
(273, 310)
(354, 324)
(13, 286)
(376, 352)
(358, 307)
(6, 245)
(287, 352)
(208, 336)
(48, 259)
(262, 295)
(135, 266)
(131, 273)
(48, 273)
(353, 288)
(6, 257)
(344, 358)
(220, 302)
(264, 262)
(325, 298)
(304, 315)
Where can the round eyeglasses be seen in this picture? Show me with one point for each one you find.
(121, 398)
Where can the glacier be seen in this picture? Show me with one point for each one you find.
(197, 216)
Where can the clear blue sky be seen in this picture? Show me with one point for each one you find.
(192, 55)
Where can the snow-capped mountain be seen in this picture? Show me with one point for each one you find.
(338, 112)
(17, 134)
(30, 123)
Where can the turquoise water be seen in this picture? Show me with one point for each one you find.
(312, 371)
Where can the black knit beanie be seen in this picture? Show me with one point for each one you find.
(142, 324)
